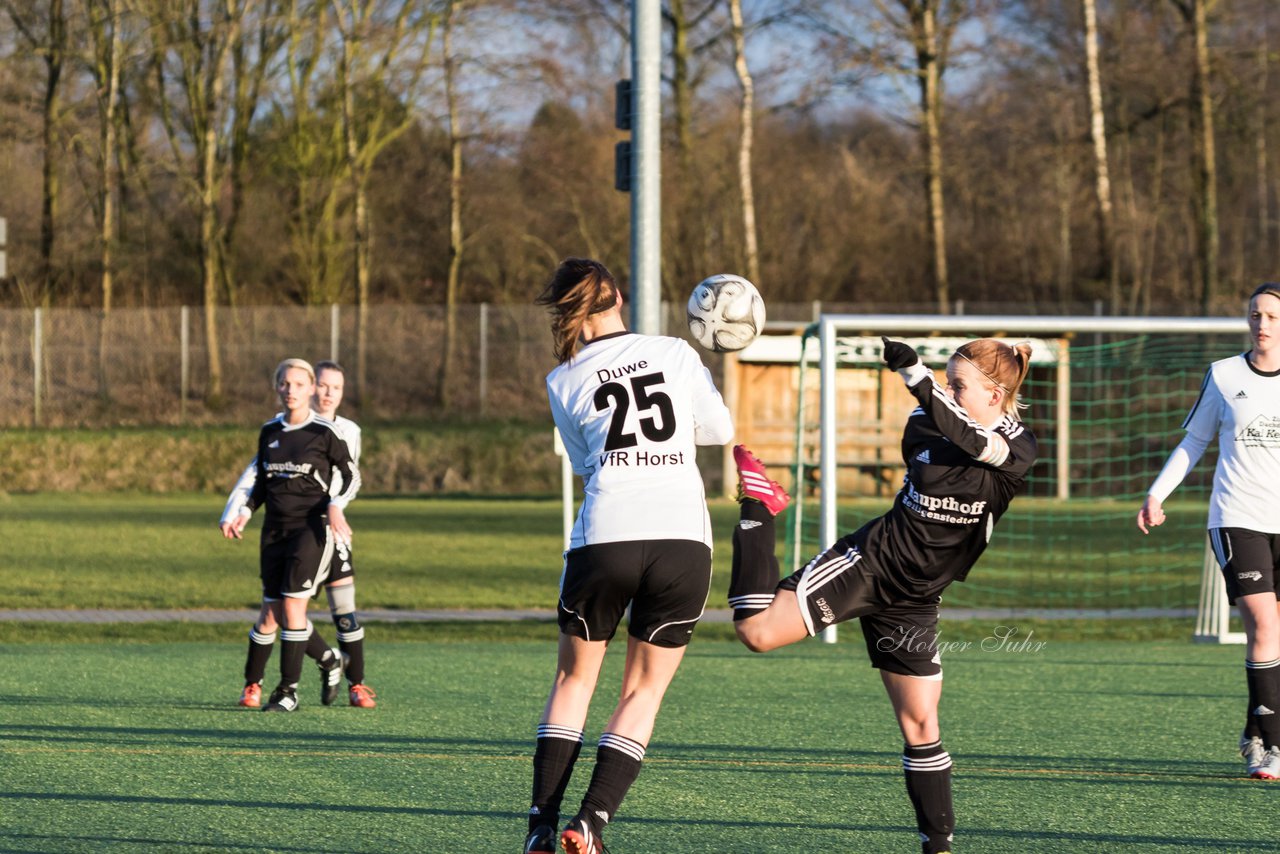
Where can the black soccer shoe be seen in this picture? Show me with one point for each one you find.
(282, 700)
(541, 840)
(330, 677)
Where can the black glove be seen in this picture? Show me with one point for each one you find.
(898, 355)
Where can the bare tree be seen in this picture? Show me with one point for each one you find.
(379, 41)
(43, 28)
(455, 203)
(310, 154)
(927, 29)
(1195, 13)
(265, 31)
(191, 44)
(1098, 135)
(106, 23)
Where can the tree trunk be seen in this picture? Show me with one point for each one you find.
(1196, 12)
(1260, 154)
(110, 191)
(745, 143)
(925, 24)
(1098, 134)
(455, 211)
(210, 186)
(361, 212)
(55, 53)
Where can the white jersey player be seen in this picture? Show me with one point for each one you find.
(1239, 404)
(631, 410)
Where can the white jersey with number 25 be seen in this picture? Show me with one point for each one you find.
(631, 410)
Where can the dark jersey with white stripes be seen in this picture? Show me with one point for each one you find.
(960, 479)
(295, 466)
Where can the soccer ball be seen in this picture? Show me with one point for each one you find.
(726, 313)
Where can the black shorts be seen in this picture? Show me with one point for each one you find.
(1249, 560)
(295, 561)
(342, 566)
(840, 584)
(666, 583)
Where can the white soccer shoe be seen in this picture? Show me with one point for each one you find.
(1269, 768)
(1254, 753)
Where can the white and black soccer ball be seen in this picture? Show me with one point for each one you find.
(726, 313)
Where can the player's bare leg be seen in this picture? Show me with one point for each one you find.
(925, 765)
(560, 735)
(648, 671)
(778, 625)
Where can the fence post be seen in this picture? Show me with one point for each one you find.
(37, 361)
(334, 325)
(184, 356)
(484, 355)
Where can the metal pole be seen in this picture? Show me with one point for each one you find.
(1064, 419)
(335, 324)
(646, 159)
(566, 485)
(484, 355)
(37, 364)
(185, 363)
(827, 440)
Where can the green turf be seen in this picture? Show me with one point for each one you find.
(147, 551)
(1085, 747)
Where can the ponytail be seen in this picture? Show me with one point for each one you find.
(579, 288)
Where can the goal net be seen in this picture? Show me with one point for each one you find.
(1106, 397)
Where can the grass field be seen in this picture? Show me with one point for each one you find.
(127, 738)
(1083, 747)
(148, 551)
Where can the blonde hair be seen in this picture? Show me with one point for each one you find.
(295, 363)
(579, 288)
(1004, 366)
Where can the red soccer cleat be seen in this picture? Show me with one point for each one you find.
(362, 696)
(251, 696)
(754, 483)
(577, 838)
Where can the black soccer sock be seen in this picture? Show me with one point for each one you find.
(293, 648)
(1251, 728)
(755, 568)
(1264, 699)
(618, 762)
(927, 768)
(351, 642)
(553, 760)
(255, 663)
(317, 647)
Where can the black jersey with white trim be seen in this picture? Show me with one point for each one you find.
(960, 479)
(295, 465)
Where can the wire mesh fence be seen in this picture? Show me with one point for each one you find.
(71, 367)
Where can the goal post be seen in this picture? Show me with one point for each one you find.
(1106, 408)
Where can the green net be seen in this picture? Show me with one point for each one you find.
(1127, 397)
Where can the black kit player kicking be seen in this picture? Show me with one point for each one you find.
(967, 454)
(298, 456)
